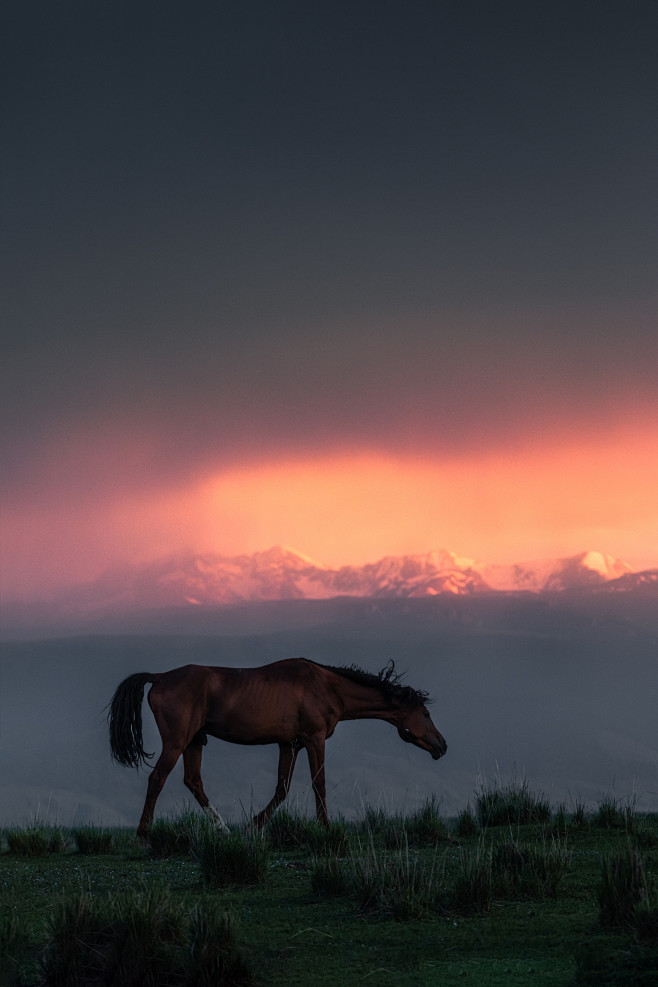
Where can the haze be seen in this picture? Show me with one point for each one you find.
(562, 694)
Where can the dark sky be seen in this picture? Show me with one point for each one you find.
(237, 231)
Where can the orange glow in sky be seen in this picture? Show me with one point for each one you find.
(500, 508)
(513, 506)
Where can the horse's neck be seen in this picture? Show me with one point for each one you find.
(363, 702)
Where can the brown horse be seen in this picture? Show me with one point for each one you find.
(294, 703)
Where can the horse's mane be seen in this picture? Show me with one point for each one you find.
(388, 680)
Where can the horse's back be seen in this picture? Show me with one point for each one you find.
(276, 698)
(186, 677)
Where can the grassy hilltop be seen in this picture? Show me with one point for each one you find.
(512, 891)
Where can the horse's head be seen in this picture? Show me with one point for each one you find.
(415, 727)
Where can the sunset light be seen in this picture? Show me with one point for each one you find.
(498, 508)
(351, 509)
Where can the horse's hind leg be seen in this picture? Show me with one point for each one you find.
(157, 778)
(192, 778)
(287, 758)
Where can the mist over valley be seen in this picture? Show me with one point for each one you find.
(558, 687)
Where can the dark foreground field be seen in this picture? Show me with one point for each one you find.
(513, 892)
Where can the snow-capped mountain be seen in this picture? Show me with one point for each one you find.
(576, 571)
(282, 574)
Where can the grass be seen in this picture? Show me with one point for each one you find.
(531, 870)
(93, 840)
(624, 889)
(399, 884)
(286, 831)
(424, 827)
(238, 858)
(510, 805)
(175, 836)
(508, 870)
(473, 886)
(466, 824)
(36, 841)
(457, 902)
(616, 814)
(140, 937)
(14, 946)
(329, 877)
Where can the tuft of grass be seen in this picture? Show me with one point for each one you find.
(560, 822)
(286, 831)
(466, 823)
(616, 814)
(394, 833)
(423, 827)
(78, 934)
(394, 884)
(329, 877)
(36, 841)
(92, 840)
(426, 825)
(622, 888)
(535, 870)
(473, 885)
(140, 939)
(375, 820)
(289, 832)
(126, 843)
(214, 959)
(508, 870)
(331, 840)
(229, 859)
(511, 805)
(169, 838)
(176, 836)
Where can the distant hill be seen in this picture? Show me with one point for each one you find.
(185, 591)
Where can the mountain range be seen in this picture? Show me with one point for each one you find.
(282, 574)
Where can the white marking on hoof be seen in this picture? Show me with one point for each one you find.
(216, 818)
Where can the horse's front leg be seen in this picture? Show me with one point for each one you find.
(315, 751)
(192, 779)
(287, 757)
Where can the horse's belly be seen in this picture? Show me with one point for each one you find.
(236, 733)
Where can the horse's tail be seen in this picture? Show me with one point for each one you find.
(125, 720)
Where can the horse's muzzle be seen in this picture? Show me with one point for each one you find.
(435, 745)
(440, 749)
